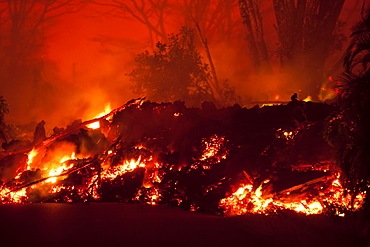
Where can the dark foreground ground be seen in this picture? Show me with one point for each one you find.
(114, 224)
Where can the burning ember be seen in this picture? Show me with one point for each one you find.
(96, 125)
(224, 161)
(246, 200)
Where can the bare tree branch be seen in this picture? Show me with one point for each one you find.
(215, 87)
(150, 13)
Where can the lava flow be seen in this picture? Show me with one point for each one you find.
(223, 161)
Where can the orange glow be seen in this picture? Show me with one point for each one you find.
(53, 173)
(8, 196)
(152, 176)
(81, 69)
(153, 195)
(96, 125)
(308, 98)
(127, 166)
(312, 197)
(31, 156)
(286, 134)
(246, 200)
(214, 149)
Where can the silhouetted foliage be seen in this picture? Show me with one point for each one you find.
(23, 63)
(348, 130)
(3, 111)
(308, 32)
(214, 17)
(173, 72)
(252, 20)
(358, 56)
(3, 108)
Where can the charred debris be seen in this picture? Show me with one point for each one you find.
(167, 153)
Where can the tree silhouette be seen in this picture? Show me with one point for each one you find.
(309, 31)
(307, 36)
(173, 72)
(3, 111)
(24, 23)
(252, 20)
(348, 131)
(23, 32)
(151, 13)
(214, 17)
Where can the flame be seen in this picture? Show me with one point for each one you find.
(30, 158)
(308, 98)
(286, 134)
(96, 125)
(247, 197)
(152, 195)
(53, 173)
(8, 196)
(68, 157)
(31, 155)
(127, 166)
(213, 150)
(246, 200)
(152, 176)
(341, 200)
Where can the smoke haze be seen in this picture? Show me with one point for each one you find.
(89, 53)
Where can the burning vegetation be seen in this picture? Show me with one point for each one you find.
(219, 160)
(229, 161)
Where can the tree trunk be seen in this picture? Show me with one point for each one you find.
(306, 35)
(252, 20)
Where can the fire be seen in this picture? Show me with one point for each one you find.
(156, 169)
(68, 157)
(246, 200)
(59, 159)
(214, 149)
(308, 98)
(96, 125)
(30, 158)
(152, 195)
(8, 196)
(31, 155)
(286, 134)
(341, 200)
(127, 166)
(53, 173)
(152, 176)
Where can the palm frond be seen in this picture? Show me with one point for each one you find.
(360, 44)
(350, 130)
(362, 25)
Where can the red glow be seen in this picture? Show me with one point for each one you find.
(88, 53)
